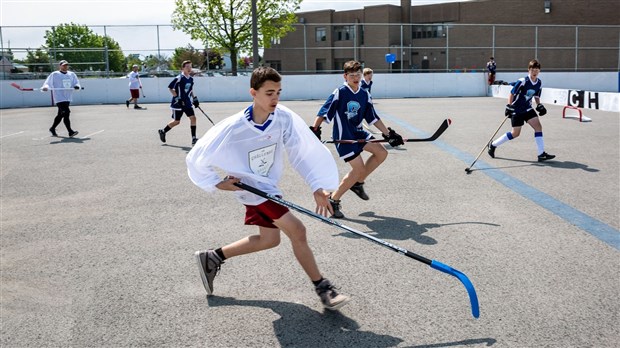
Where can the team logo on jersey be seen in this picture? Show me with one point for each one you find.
(261, 160)
(188, 86)
(529, 94)
(352, 109)
(66, 83)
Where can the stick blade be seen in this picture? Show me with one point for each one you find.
(473, 297)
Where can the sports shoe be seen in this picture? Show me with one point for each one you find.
(545, 156)
(127, 102)
(137, 107)
(336, 207)
(329, 297)
(208, 266)
(73, 133)
(53, 132)
(162, 135)
(194, 140)
(492, 150)
(358, 188)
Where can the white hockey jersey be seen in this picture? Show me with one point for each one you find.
(255, 154)
(63, 84)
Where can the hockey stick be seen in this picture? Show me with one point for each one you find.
(141, 90)
(468, 169)
(204, 113)
(20, 87)
(473, 298)
(442, 128)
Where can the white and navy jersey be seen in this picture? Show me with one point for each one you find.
(524, 90)
(134, 80)
(62, 85)
(491, 66)
(255, 154)
(349, 109)
(184, 86)
(367, 86)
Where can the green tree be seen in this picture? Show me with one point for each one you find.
(187, 53)
(227, 24)
(38, 61)
(84, 49)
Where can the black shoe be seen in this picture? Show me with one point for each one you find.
(73, 133)
(137, 107)
(336, 207)
(358, 188)
(545, 156)
(194, 140)
(53, 132)
(162, 135)
(127, 102)
(492, 150)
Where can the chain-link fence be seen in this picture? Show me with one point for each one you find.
(322, 48)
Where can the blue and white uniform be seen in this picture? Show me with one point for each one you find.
(184, 86)
(349, 109)
(367, 86)
(524, 90)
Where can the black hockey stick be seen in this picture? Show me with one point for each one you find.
(473, 298)
(204, 113)
(442, 128)
(468, 169)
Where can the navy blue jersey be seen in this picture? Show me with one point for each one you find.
(366, 86)
(349, 109)
(491, 66)
(184, 86)
(524, 90)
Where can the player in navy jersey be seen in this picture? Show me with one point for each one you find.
(182, 90)
(348, 106)
(491, 67)
(520, 110)
(367, 80)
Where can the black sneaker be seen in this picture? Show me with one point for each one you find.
(492, 150)
(73, 133)
(53, 132)
(336, 207)
(194, 140)
(545, 156)
(137, 107)
(358, 188)
(329, 297)
(162, 135)
(208, 266)
(127, 102)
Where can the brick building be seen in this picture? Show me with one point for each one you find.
(565, 35)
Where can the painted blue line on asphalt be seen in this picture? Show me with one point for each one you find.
(598, 229)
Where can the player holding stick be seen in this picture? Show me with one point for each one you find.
(135, 85)
(349, 105)
(250, 147)
(62, 83)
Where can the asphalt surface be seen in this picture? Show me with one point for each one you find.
(98, 235)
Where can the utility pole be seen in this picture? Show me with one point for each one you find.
(255, 58)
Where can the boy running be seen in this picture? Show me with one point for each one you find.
(249, 147)
(182, 90)
(520, 111)
(349, 105)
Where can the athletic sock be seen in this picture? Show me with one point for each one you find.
(540, 143)
(504, 138)
(193, 129)
(317, 282)
(220, 253)
(167, 129)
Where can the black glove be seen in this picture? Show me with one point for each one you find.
(195, 102)
(393, 138)
(78, 87)
(178, 103)
(510, 111)
(541, 110)
(316, 131)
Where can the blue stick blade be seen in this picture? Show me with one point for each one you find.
(473, 298)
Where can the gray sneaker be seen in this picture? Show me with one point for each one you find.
(208, 265)
(329, 297)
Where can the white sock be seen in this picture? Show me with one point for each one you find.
(504, 138)
(540, 143)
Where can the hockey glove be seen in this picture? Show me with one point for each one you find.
(510, 111)
(76, 87)
(541, 110)
(195, 102)
(393, 138)
(178, 103)
(316, 131)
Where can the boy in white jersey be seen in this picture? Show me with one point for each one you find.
(520, 111)
(62, 83)
(249, 148)
(135, 85)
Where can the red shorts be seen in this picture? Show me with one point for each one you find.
(264, 214)
(135, 93)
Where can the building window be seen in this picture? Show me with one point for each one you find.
(276, 64)
(321, 34)
(344, 32)
(320, 64)
(427, 31)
